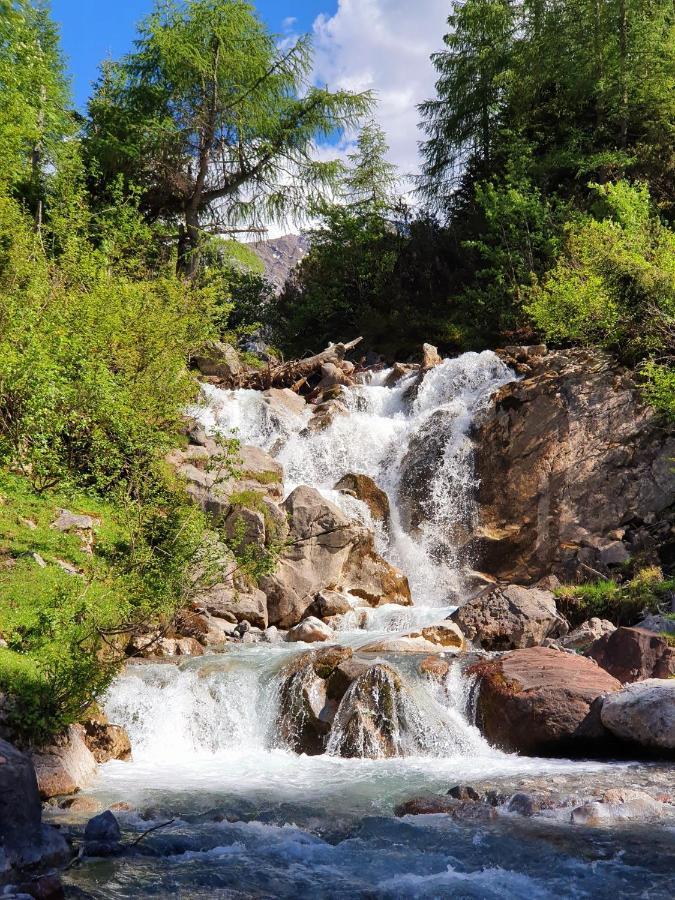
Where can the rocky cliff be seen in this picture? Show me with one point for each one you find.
(575, 472)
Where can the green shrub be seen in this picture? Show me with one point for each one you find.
(622, 604)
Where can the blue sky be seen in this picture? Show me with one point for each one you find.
(380, 45)
(92, 30)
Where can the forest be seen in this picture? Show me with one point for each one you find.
(543, 211)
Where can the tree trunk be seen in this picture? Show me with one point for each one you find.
(623, 73)
(187, 264)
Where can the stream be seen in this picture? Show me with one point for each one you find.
(253, 819)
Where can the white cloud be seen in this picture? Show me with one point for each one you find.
(384, 46)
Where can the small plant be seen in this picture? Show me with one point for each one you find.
(622, 603)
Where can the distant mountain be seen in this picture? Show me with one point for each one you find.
(280, 256)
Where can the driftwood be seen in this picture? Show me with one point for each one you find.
(295, 373)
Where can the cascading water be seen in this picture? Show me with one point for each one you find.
(251, 817)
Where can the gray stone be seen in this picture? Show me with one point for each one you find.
(643, 713)
(103, 827)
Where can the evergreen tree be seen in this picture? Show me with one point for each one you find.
(370, 179)
(215, 122)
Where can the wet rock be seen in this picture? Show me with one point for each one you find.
(430, 357)
(633, 654)
(305, 711)
(527, 804)
(26, 845)
(510, 617)
(468, 811)
(588, 632)
(103, 827)
(435, 667)
(283, 402)
(464, 792)
(309, 631)
(272, 635)
(365, 489)
(542, 702)
(564, 457)
(371, 716)
(330, 603)
(448, 635)
(403, 644)
(105, 740)
(617, 805)
(643, 713)
(370, 577)
(343, 675)
(80, 804)
(66, 765)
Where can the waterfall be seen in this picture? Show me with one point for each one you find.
(385, 424)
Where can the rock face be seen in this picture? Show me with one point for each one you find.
(364, 488)
(633, 654)
(234, 604)
(643, 713)
(565, 457)
(65, 766)
(326, 552)
(510, 617)
(25, 843)
(539, 701)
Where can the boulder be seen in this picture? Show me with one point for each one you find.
(370, 577)
(220, 360)
(643, 713)
(448, 635)
(330, 603)
(228, 603)
(326, 551)
(306, 709)
(434, 667)
(588, 632)
(510, 617)
(26, 845)
(401, 644)
(365, 489)
(633, 654)
(564, 457)
(539, 701)
(104, 740)
(430, 357)
(65, 766)
(343, 675)
(615, 806)
(371, 716)
(68, 521)
(283, 402)
(310, 630)
(658, 624)
(103, 827)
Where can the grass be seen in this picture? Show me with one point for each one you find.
(623, 603)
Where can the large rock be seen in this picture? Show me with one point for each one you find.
(326, 551)
(306, 705)
(564, 457)
(310, 630)
(65, 766)
(633, 654)
(105, 740)
(220, 360)
(542, 702)
(588, 632)
(26, 844)
(365, 489)
(330, 603)
(643, 713)
(510, 617)
(225, 601)
(370, 717)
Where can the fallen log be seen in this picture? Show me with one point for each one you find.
(295, 373)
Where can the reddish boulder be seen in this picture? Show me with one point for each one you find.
(541, 702)
(633, 654)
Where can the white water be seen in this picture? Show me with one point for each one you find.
(204, 733)
(373, 440)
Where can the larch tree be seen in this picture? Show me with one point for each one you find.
(216, 122)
